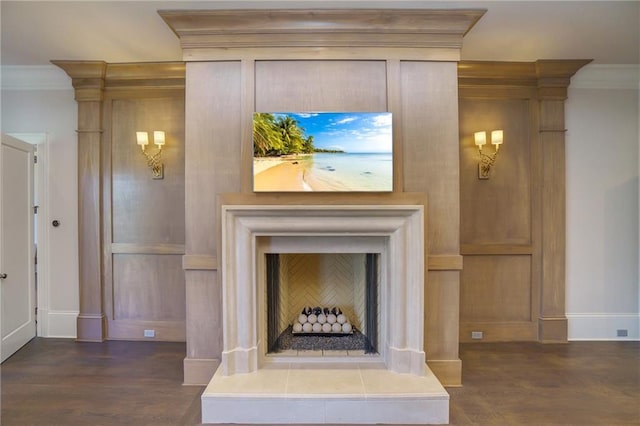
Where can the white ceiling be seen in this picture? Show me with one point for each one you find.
(35, 32)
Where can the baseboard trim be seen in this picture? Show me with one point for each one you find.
(603, 326)
(61, 324)
(552, 330)
(198, 372)
(91, 328)
(448, 371)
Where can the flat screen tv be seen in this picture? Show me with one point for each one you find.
(322, 152)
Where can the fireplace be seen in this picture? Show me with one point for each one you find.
(322, 304)
(249, 374)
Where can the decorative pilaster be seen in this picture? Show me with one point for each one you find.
(553, 79)
(88, 81)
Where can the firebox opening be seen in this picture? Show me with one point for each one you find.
(322, 302)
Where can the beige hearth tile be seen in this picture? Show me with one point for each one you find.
(325, 382)
(269, 380)
(385, 383)
(324, 366)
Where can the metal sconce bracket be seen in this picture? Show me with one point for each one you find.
(153, 161)
(485, 164)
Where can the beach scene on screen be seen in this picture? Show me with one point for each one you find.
(322, 152)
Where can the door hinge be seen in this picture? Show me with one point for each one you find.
(35, 209)
(35, 159)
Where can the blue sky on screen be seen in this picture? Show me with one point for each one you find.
(352, 132)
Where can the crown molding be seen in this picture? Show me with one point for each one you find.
(205, 34)
(33, 77)
(607, 76)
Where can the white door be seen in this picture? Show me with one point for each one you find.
(17, 274)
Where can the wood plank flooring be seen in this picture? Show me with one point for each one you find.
(61, 382)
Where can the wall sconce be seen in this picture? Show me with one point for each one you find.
(487, 160)
(153, 161)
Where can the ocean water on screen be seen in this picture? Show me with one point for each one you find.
(353, 171)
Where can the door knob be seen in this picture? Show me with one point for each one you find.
(3, 276)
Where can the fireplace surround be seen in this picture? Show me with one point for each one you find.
(397, 233)
(249, 231)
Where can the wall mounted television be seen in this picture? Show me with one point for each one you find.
(322, 152)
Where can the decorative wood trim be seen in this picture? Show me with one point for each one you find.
(145, 75)
(552, 330)
(91, 328)
(549, 77)
(544, 83)
(322, 28)
(495, 249)
(493, 73)
(554, 77)
(448, 372)
(324, 53)
(451, 262)
(198, 372)
(165, 331)
(87, 78)
(107, 210)
(157, 248)
(500, 331)
(199, 262)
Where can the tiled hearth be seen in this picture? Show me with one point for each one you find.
(393, 386)
(325, 393)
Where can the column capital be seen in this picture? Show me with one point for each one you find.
(87, 78)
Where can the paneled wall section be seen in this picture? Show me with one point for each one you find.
(502, 223)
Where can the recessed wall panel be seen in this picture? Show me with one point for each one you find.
(320, 86)
(147, 210)
(496, 210)
(496, 289)
(148, 288)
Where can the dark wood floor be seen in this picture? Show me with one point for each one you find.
(61, 382)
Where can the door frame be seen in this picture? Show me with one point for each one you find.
(41, 187)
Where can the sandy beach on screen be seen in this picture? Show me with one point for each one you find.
(282, 174)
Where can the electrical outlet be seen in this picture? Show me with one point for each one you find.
(476, 335)
(149, 333)
(622, 333)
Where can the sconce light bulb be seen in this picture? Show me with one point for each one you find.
(480, 139)
(497, 138)
(158, 138)
(142, 139)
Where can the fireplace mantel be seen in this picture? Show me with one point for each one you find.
(402, 226)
